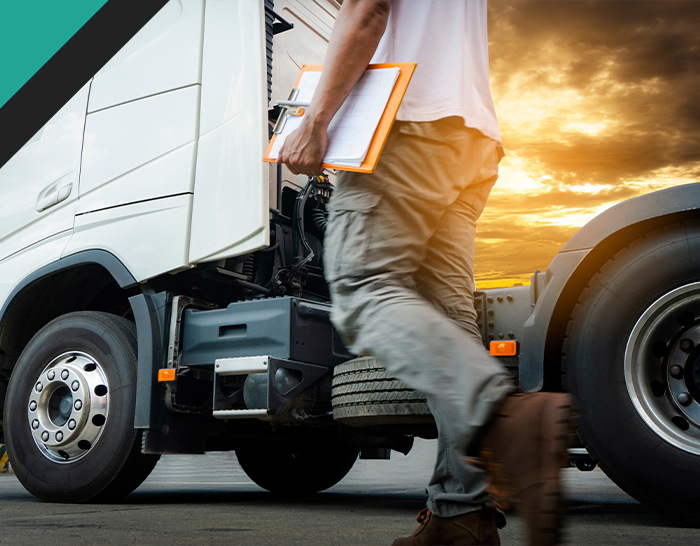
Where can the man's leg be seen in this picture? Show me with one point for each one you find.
(446, 279)
(524, 446)
(378, 239)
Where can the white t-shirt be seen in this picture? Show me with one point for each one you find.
(448, 39)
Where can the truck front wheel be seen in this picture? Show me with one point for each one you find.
(69, 411)
(632, 358)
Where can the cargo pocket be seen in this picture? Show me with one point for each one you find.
(349, 234)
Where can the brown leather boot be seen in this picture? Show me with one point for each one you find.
(480, 527)
(523, 450)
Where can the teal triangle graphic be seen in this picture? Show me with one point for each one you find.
(30, 34)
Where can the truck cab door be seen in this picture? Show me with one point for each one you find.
(39, 185)
(141, 130)
(230, 213)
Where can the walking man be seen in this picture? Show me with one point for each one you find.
(399, 260)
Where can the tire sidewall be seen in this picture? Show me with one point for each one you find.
(635, 456)
(83, 479)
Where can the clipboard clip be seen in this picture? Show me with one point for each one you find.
(289, 107)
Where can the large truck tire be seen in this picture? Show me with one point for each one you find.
(632, 359)
(308, 463)
(69, 411)
(365, 394)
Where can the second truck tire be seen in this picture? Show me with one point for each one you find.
(632, 358)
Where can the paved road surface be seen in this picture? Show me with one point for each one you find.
(208, 500)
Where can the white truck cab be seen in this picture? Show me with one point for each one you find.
(166, 141)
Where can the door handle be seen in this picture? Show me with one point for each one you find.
(55, 193)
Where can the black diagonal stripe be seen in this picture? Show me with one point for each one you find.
(69, 69)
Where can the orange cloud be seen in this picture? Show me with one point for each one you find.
(592, 112)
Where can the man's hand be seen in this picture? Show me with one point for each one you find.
(356, 33)
(303, 150)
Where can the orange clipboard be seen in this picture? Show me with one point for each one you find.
(385, 122)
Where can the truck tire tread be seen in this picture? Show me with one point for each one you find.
(365, 393)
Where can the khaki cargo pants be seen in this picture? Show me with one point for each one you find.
(399, 255)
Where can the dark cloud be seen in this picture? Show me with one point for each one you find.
(648, 38)
(637, 63)
(630, 154)
(557, 198)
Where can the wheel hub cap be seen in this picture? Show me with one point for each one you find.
(662, 367)
(68, 407)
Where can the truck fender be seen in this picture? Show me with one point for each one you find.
(100, 257)
(557, 290)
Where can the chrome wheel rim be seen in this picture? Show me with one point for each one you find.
(68, 407)
(662, 367)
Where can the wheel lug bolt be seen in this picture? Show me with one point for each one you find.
(684, 398)
(35, 424)
(51, 375)
(45, 436)
(64, 374)
(676, 371)
(75, 385)
(59, 436)
(71, 424)
(78, 405)
(32, 405)
(39, 387)
(687, 345)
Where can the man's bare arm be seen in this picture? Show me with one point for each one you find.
(356, 34)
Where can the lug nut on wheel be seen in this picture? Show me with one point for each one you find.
(686, 345)
(32, 405)
(78, 405)
(51, 375)
(71, 424)
(45, 436)
(685, 399)
(35, 424)
(676, 371)
(64, 374)
(75, 385)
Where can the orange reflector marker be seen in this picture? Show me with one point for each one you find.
(166, 374)
(503, 348)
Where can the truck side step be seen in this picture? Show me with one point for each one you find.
(241, 365)
(245, 365)
(241, 414)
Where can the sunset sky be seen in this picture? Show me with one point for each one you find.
(597, 102)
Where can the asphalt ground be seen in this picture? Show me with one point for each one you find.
(208, 500)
